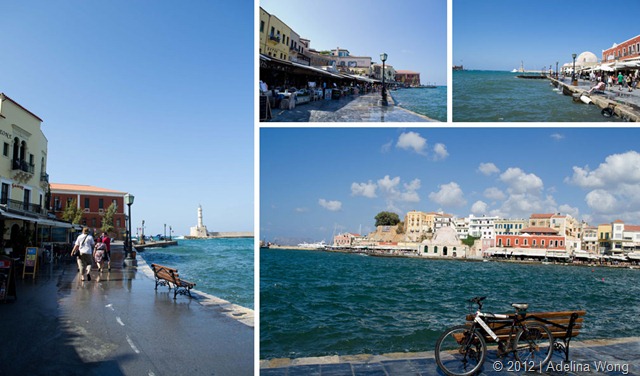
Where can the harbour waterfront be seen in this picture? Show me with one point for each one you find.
(220, 267)
(317, 303)
(430, 102)
(495, 96)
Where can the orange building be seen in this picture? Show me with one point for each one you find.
(408, 78)
(626, 50)
(533, 237)
(94, 202)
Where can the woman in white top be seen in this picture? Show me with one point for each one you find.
(83, 248)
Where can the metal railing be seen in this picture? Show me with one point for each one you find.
(22, 206)
(18, 164)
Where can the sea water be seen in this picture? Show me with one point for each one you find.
(220, 267)
(431, 102)
(317, 303)
(495, 96)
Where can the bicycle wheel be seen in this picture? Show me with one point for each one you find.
(534, 346)
(460, 351)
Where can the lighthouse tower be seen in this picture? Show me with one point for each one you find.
(200, 231)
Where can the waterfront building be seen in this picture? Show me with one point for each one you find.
(462, 227)
(389, 72)
(408, 78)
(24, 197)
(540, 220)
(445, 243)
(298, 49)
(590, 240)
(538, 242)
(482, 227)
(275, 36)
(346, 240)
(624, 238)
(509, 226)
(94, 202)
(629, 49)
(345, 62)
(420, 225)
(604, 238)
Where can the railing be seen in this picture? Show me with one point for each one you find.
(274, 38)
(18, 164)
(44, 177)
(22, 206)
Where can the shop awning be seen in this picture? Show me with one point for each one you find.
(40, 221)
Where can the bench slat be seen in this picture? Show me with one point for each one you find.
(171, 275)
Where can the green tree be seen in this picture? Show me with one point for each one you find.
(386, 218)
(72, 212)
(469, 240)
(107, 219)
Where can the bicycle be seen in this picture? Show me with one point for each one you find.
(461, 350)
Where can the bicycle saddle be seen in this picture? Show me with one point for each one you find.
(522, 306)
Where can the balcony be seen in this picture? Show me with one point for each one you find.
(22, 165)
(274, 38)
(22, 207)
(44, 177)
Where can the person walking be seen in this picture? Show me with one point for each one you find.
(100, 254)
(629, 81)
(620, 80)
(107, 242)
(83, 249)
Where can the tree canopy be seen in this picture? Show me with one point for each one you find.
(107, 220)
(72, 212)
(386, 218)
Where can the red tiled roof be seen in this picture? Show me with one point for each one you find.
(545, 230)
(635, 228)
(82, 188)
(546, 215)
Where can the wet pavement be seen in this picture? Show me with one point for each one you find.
(117, 324)
(593, 357)
(353, 108)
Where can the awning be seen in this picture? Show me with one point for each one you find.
(40, 221)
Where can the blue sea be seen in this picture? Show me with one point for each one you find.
(494, 96)
(429, 102)
(317, 303)
(220, 267)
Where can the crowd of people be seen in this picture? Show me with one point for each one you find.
(627, 81)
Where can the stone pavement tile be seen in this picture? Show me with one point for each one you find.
(313, 370)
(340, 369)
(425, 366)
(369, 369)
(274, 372)
(399, 367)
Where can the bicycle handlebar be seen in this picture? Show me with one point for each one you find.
(478, 300)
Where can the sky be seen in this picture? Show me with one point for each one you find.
(147, 97)
(412, 32)
(319, 182)
(499, 34)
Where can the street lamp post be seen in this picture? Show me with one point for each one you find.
(557, 75)
(574, 81)
(128, 200)
(165, 232)
(383, 57)
(170, 232)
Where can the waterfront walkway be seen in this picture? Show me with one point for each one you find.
(625, 103)
(593, 357)
(117, 324)
(353, 108)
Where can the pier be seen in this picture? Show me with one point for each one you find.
(152, 244)
(622, 103)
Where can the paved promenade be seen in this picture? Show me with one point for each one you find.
(362, 108)
(117, 324)
(594, 357)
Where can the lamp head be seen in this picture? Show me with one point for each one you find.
(383, 56)
(128, 199)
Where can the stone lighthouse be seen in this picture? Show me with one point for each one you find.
(200, 231)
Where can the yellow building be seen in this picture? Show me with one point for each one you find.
(604, 237)
(24, 193)
(275, 36)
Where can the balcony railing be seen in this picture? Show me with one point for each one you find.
(44, 177)
(20, 206)
(18, 164)
(275, 38)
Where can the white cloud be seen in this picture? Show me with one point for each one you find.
(557, 136)
(601, 201)
(488, 169)
(440, 151)
(479, 207)
(386, 147)
(520, 182)
(364, 189)
(301, 210)
(494, 193)
(568, 209)
(330, 205)
(449, 195)
(616, 169)
(388, 184)
(412, 141)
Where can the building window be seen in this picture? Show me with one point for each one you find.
(86, 202)
(4, 199)
(56, 204)
(27, 199)
(262, 26)
(93, 222)
(118, 223)
(5, 150)
(534, 242)
(100, 203)
(542, 242)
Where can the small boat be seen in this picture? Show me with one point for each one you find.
(317, 245)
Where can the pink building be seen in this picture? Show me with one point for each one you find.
(344, 240)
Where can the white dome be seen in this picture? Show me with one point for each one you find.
(586, 57)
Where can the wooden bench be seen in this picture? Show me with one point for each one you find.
(166, 276)
(563, 325)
